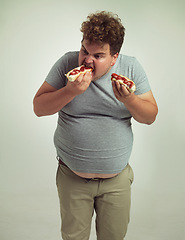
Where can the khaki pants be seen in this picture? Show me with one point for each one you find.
(110, 198)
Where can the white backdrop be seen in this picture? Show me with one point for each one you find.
(34, 34)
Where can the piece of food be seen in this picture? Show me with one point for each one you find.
(129, 84)
(74, 73)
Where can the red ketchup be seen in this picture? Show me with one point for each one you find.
(74, 72)
(125, 81)
(82, 69)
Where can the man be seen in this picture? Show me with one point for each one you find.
(94, 138)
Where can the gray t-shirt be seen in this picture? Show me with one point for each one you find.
(94, 133)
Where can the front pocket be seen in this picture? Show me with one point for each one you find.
(131, 175)
(57, 176)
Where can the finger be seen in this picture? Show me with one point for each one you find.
(118, 87)
(87, 77)
(114, 87)
(124, 91)
(115, 90)
(79, 78)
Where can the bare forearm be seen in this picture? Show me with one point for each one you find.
(142, 107)
(142, 111)
(48, 100)
(51, 102)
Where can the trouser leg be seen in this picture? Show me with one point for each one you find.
(76, 204)
(112, 206)
(110, 198)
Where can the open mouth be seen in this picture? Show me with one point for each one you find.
(89, 66)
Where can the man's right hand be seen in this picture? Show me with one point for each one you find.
(80, 85)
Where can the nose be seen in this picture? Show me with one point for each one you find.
(89, 59)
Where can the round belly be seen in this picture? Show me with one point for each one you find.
(94, 145)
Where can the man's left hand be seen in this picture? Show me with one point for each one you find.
(121, 92)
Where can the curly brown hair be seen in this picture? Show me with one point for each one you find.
(104, 27)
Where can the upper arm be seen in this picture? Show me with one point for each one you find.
(45, 88)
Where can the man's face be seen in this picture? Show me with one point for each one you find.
(98, 57)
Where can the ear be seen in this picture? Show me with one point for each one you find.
(114, 58)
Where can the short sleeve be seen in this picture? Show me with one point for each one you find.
(56, 76)
(140, 78)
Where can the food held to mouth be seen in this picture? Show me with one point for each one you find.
(74, 73)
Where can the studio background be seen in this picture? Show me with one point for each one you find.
(34, 35)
